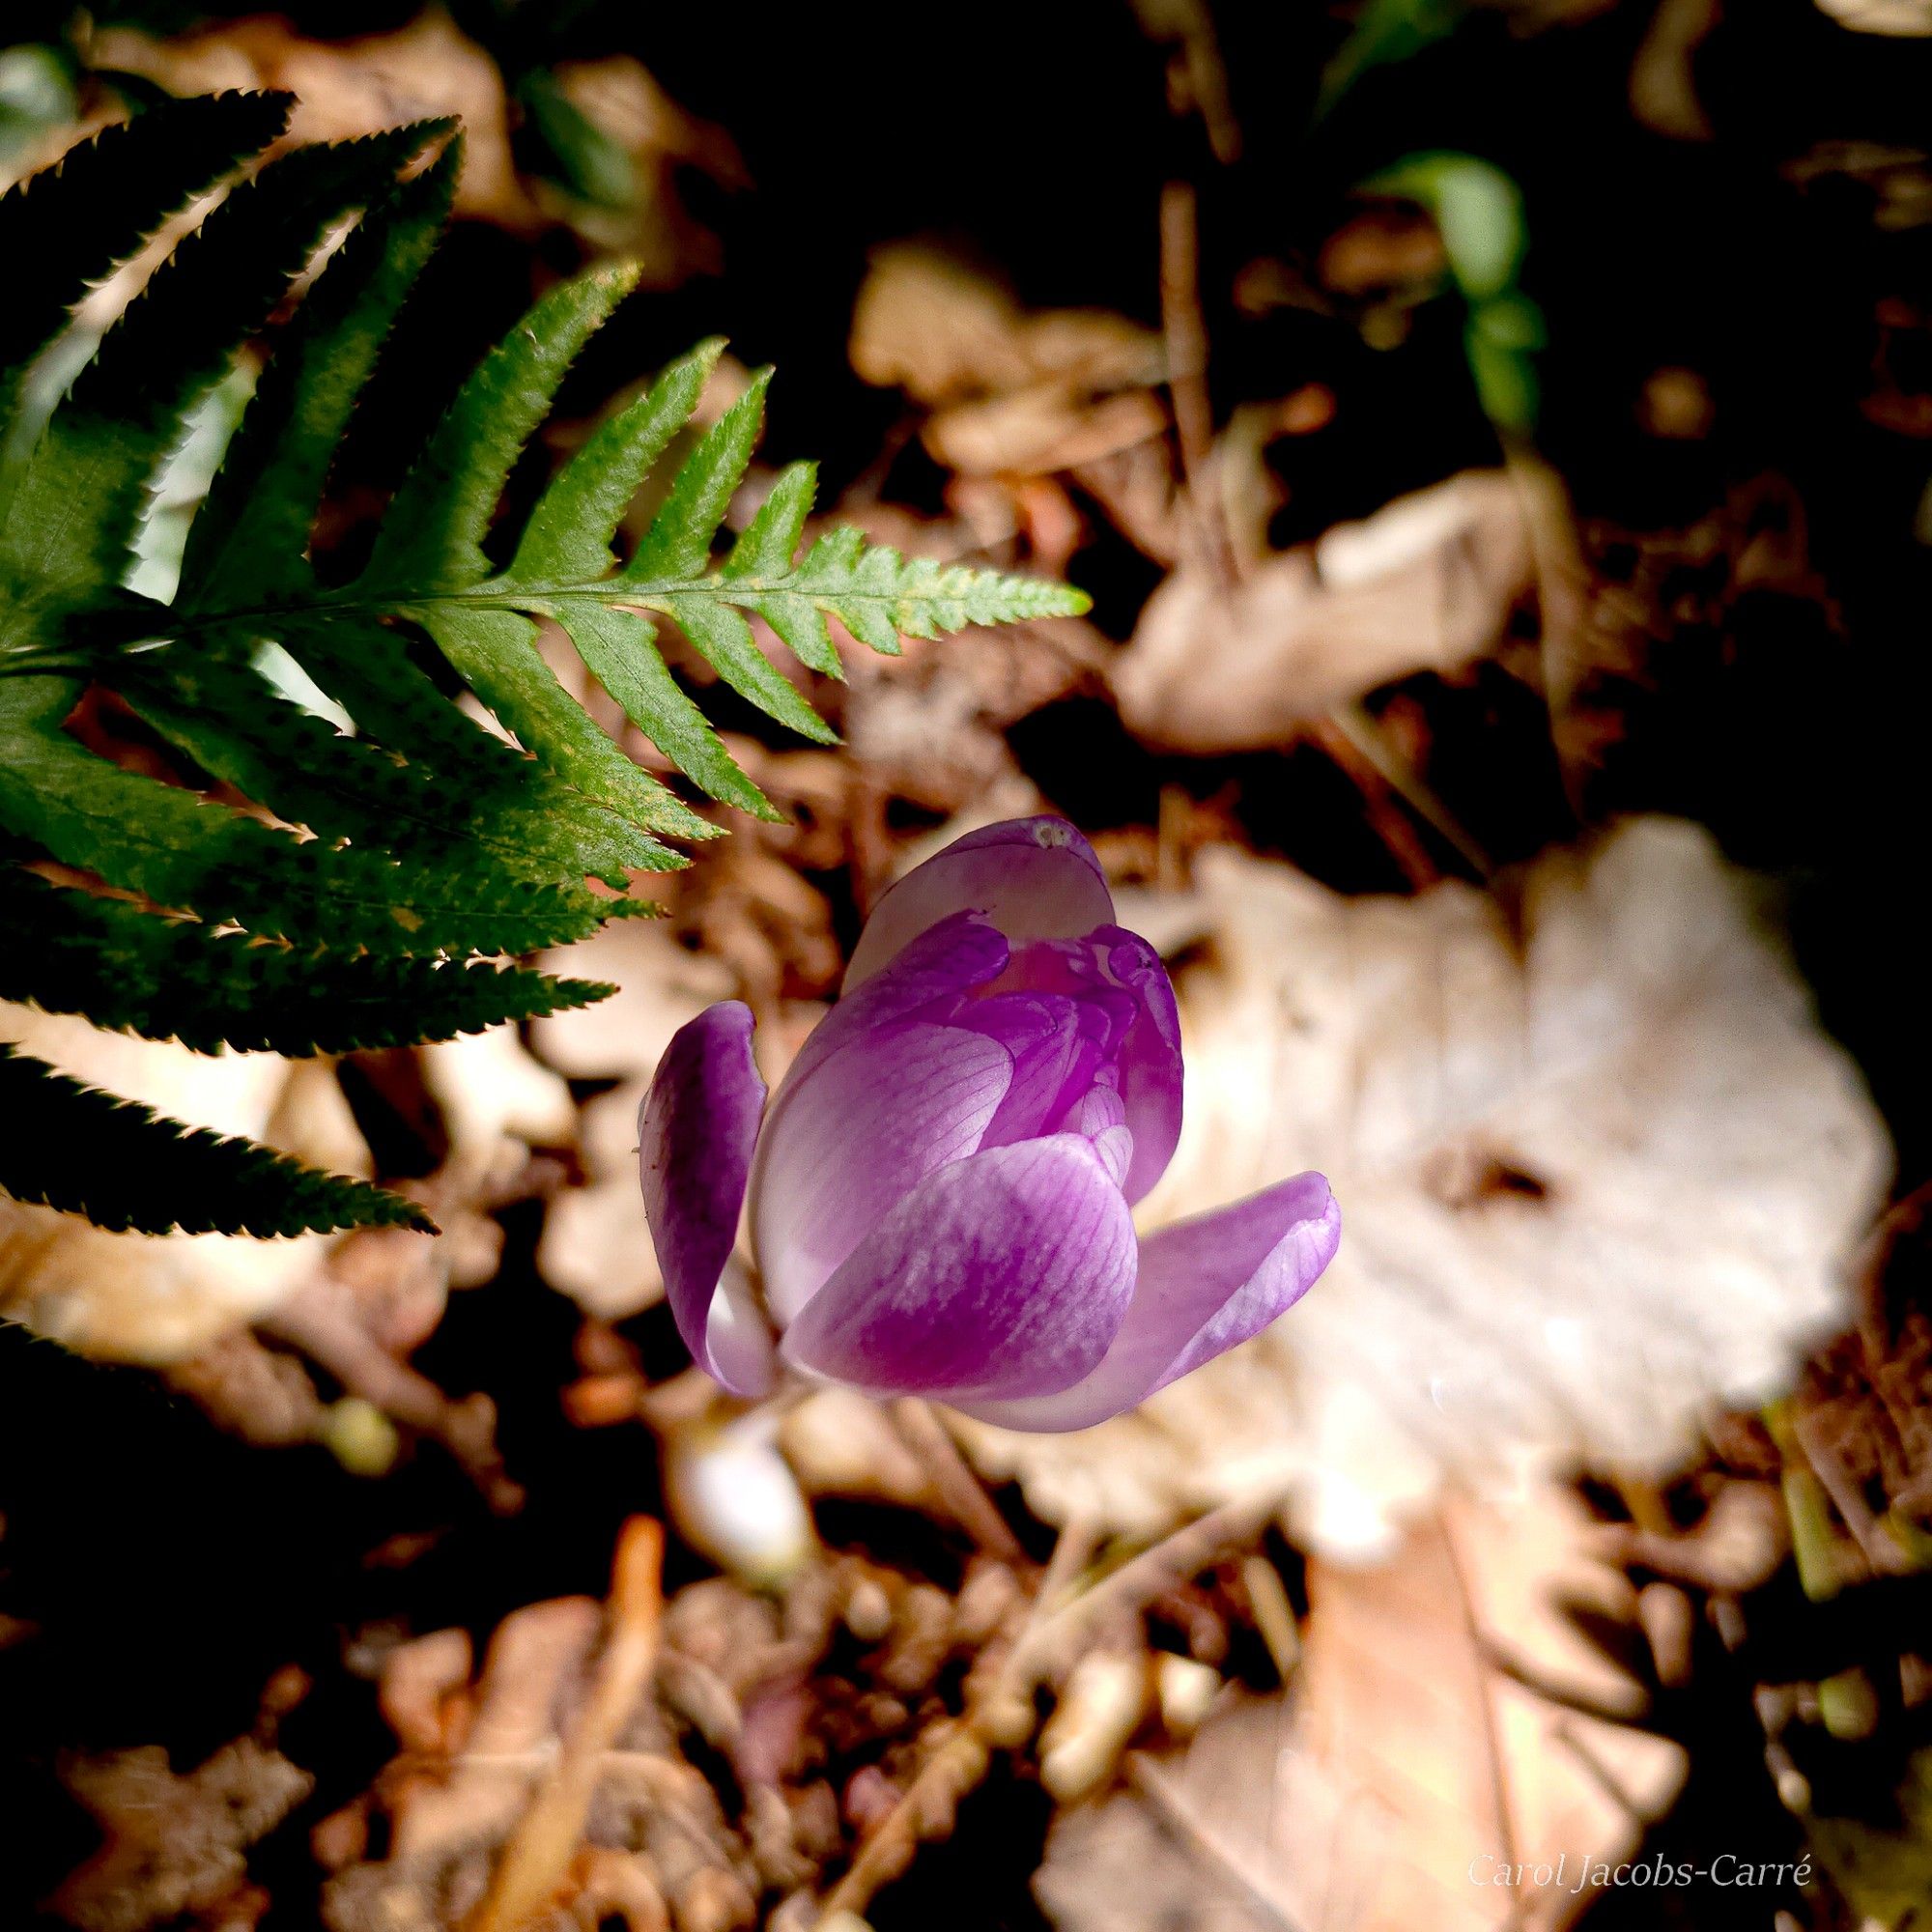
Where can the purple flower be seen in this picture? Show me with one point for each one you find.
(939, 1190)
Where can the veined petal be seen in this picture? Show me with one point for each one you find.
(1045, 1035)
(1118, 974)
(859, 1133)
(696, 1132)
(1204, 1285)
(928, 981)
(1102, 1118)
(1032, 878)
(1001, 1276)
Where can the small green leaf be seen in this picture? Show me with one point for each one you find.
(723, 640)
(570, 531)
(493, 652)
(368, 669)
(772, 537)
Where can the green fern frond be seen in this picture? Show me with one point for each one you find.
(369, 876)
(189, 853)
(124, 1167)
(138, 970)
(78, 220)
(251, 540)
(71, 516)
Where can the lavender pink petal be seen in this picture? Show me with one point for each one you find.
(1204, 1285)
(999, 1277)
(695, 1133)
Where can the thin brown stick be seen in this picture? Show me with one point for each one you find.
(536, 1861)
(1186, 333)
(320, 1321)
(1379, 802)
(957, 1487)
(1057, 1638)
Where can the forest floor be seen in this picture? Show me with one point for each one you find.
(1498, 459)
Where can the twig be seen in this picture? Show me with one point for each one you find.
(1186, 340)
(1072, 1550)
(1057, 1638)
(322, 1322)
(1378, 801)
(959, 1487)
(536, 1861)
(1378, 774)
(1367, 736)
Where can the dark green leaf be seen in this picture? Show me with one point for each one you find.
(125, 1166)
(67, 227)
(183, 852)
(72, 514)
(678, 543)
(163, 978)
(248, 540)
(493, 652)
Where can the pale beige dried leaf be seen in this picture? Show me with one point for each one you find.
(596, 1248)
(926, 322)
(1592, 1185)
(1904, 19)
(1011, 391)
(660, 984)
(1403, 1763)
(1427, 584)
(497, 1099)
(345, 89)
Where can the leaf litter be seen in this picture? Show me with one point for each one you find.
(1474, 1554)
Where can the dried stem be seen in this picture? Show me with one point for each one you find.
(536, 1861)
(1186, 339)
(957, 1487)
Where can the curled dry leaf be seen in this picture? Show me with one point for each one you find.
(344, 88)
(1596, 1178)
(155, 1298)
(1404, 1764)
(172, 1843)
(1902, 18)
(1009, 392)
(1427, 584)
